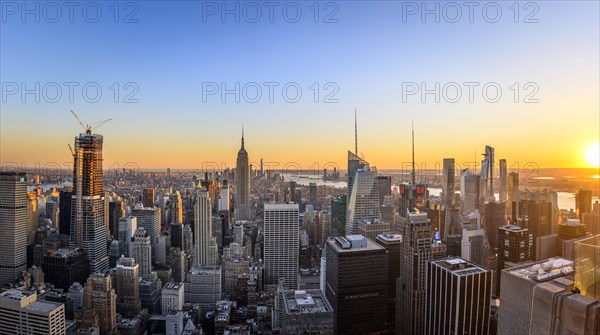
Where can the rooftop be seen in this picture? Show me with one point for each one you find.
(514, 228)
(544, 270)
(354, 243)
(459, 266)
(311, 301)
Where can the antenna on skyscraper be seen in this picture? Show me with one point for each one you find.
(413, 153)
(355, 134)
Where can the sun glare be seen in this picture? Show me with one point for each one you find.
(592, 155)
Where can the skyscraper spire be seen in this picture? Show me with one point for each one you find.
(355, 134)
(242, 136)
(413, 153)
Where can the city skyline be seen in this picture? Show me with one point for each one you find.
(171, 81)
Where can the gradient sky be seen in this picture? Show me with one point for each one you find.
(368, 53)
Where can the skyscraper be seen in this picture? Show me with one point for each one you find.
(148, 197)
(587, 266)
(469, 191)
(127, 227)
(513, 194)
(418, 247)
(88, 229)
(141, 250)
(100, 298)
(515, 245)
(487, 173)
(458, 297)
(13, 225)
(384, 184)
(338, 216)
(127, 287)
(64, 204)
(242, 184)
(363, 203)
(202, 227)
(583, 202)
(312, 194)
(224, 200)
(356, 284)
(393, 245)
(281, 244)
(176, 208)
(448, 182)
(503, 174)
(149, 218)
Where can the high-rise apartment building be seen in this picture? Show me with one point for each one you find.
(458, 297)
(88, 226)
(13, 225)
(281, 244)
(513, 195)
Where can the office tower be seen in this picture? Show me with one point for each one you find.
(458, 297)
(281, 244)
(515, 245)
(592, 220)
(52, 213)
(503, 179)
(242, 184)
(306, 312)
(363, 203)
(88, 226)
(64, 203)
(514, 315)
(176, 208)
(512, 187)
(448, 182)
(370, 229)
(148, 197)
(114, 253)
(384, 186)
(150, 290)
(312, 194)
(418, 247)
(568, 233)
(554, 300)
(469, 191)
(338, 216)
(583, 202)
(538, 215)
(238, 232)
(13, 225)
(392, 244)
(141, 250)
(202, 227)
(127, 227)
(224, 200)
(356, 284)
(487, 174)
(587, 266)
(128, 287)
(472, 247)
(149, 218)
(22, 313)
(355, 163)
(62, 267)
(233, 266)
(32, 216)
(172, 297)
(412, 197)
(116, 210)
(100, 298)
(203, 286)
(495, 217)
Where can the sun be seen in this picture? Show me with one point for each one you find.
(592, 155)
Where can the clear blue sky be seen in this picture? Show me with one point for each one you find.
(368, 53)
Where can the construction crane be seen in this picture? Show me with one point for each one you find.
(89, 127)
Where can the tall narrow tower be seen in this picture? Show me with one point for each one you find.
(202, 227)
(242, 184)
(88, 229)
(13, 225)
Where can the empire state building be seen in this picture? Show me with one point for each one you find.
(242, 184)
